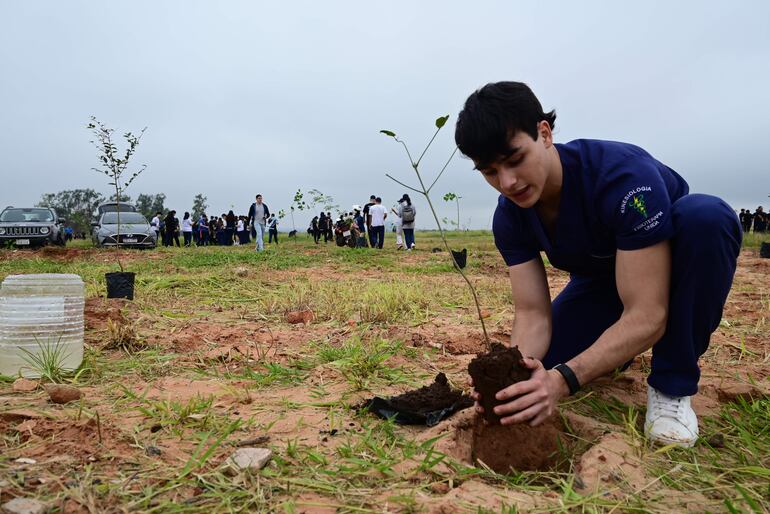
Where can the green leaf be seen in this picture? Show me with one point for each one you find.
(440, 122)
(389, 133)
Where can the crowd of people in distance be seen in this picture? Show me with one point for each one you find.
(358, 228)
(760, 220)
(365, 227)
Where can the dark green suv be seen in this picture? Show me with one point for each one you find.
(30, 226)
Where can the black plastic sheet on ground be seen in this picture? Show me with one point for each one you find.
(384, 409)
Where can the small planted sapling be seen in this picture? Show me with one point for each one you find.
(500, 366)
(425, 191)
(114, 164)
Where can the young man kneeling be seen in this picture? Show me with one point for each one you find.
(650, 264)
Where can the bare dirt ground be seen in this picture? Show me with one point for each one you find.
(207, 374)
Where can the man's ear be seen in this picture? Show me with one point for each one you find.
(544, 131)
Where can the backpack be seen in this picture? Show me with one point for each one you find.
(407, 214)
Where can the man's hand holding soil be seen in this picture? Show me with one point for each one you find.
(532, 400)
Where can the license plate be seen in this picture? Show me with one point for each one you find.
(346, 233)
(130, 240)
(22, 241)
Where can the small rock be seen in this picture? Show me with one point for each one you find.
(439, 487)
(251, 459)
(25, 460)
(63, 393)
(736, 392)
(152, 451)
(716, 441)
(24, 506)
(241, 271)
(24, 385)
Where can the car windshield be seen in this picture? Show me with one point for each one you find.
(111, 218)
(113, 207)
(22, 215)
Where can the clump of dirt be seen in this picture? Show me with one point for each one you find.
(302, 316)
(424, 406)
(519, 447)
(548, 447)
(494, 371)
(436, 396)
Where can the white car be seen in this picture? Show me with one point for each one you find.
(135, 231)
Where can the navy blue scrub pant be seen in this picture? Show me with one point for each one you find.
(704, 251)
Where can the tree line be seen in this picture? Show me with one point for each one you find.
(78, 206)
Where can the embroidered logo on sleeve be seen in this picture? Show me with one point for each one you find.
(637, 203)
(636, 199)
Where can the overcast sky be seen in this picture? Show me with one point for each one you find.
(246, 97)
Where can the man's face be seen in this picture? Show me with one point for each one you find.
(521, 175)
(259, 200)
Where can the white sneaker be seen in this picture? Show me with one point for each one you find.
(670, 419)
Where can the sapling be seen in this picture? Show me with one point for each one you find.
(113, 164)
(297, 203)
(440, 122)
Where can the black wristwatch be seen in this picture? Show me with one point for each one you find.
(569, 377)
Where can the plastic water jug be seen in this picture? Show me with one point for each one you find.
(40, 316)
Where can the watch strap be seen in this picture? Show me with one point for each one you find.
(569, 377)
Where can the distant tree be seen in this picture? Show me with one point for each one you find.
(123, 198)
(148, 205)
(77, 206)
(199, 205)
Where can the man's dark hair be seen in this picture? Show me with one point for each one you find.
(378, 200)
(372, 197)
(494, 114)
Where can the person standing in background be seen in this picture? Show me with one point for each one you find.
(272, 229)
(407, 213)
(258, 213)
(187, 229)
(368, 218)
(398, 227)
(378, 215)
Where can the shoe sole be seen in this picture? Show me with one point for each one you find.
(665, 441)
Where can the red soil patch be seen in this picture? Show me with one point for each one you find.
(99, 310)
(68, 439)
(62, 254)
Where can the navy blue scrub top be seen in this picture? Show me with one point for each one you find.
(615, 196)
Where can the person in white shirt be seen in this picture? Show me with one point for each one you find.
(187, 229)
(399, 233)
(155, 225)
(239, 229)
(378, 214)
